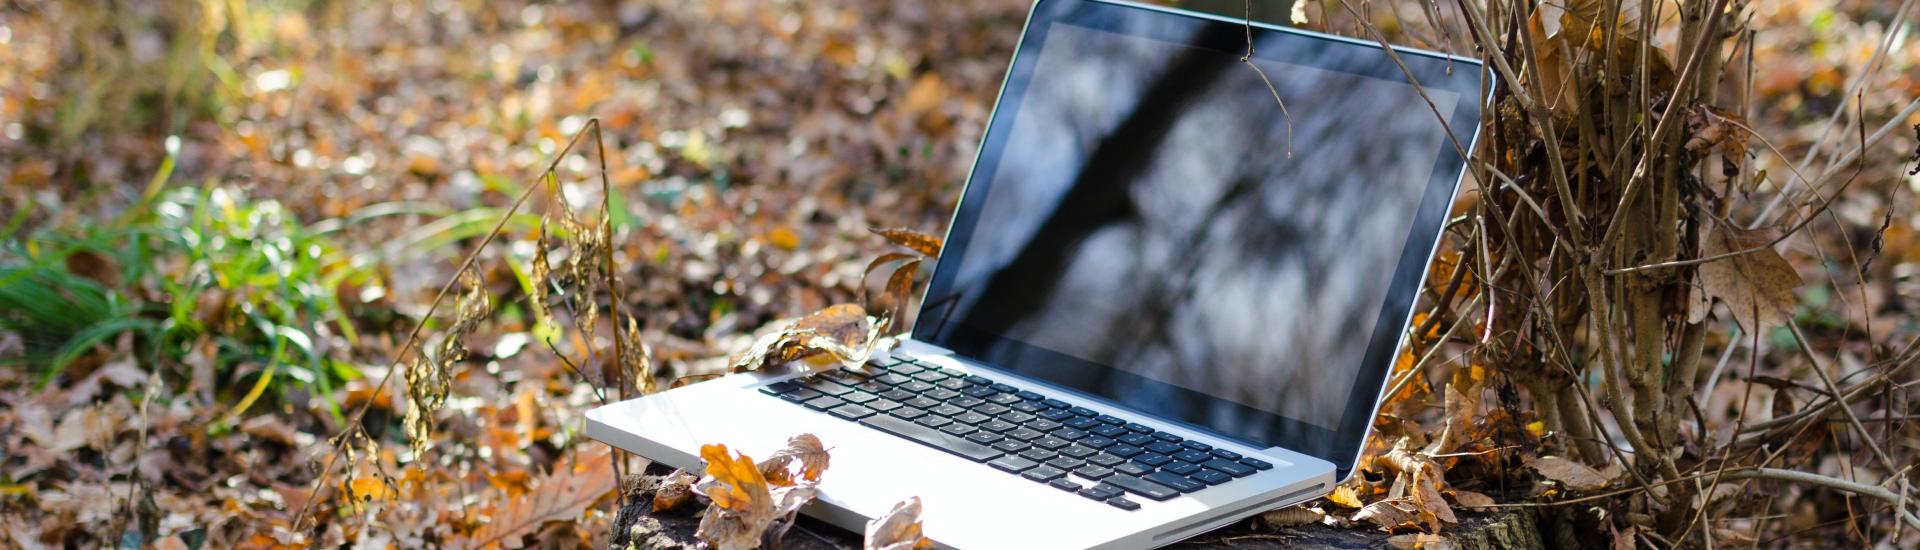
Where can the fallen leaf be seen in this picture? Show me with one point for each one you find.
(1345, 496)
(1421, 541)
(1292, 516)
(805, 448)
(1714, 129)
(1756, 286)
(1572, 475)
(843, 331)
(563, 495)
(898, 529)
(1434, 510)
(1390, 515)
(926, 245)
(676, 489)
(1472, 500)
(746, 512)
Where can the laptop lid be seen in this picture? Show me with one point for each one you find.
(1145, 224)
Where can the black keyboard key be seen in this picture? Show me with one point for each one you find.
(1195, 445)
(1161, 447)
(985, 437)
(1234, 468)
(981, 392)
(1111, 419)
(1177, 482)
(897, 395)
(968, 402)
(1141, 487)
(991, 409)
(1027, 407)
(1015, 417)
(883, 405)
(921, 402)
(1226, 454)
(952, 384)
(858, 396)
(930, 376)
(1037, 454)
(1093, 471)
(1003, 399)
(826, 386)
(1070, 434)
(932, 438)
(1107, 430)
(1051, 443)
(947, 410)
(845, 376)
(1012, 464)
(1086, 412)
(1030, 396)
(892, 379)
(1098, 442)
(907, 413)
(1167, 437)
(1182, 468)
(1211, 477)
(906, 369)
(1077, 451)
(1138, 427)
(823, 402)
(1133, 469)
(978, 380)
(1044, 425)
(1081, 423)
(972, 418)
(781, 387)
(1125, 450)
(1101, 491)
(941, 394)
(1065, 484)
(1193, 456)
(997, 426)
(959, 429)
(917, 386)
(1055, 415)
(1107, 460)
(800, 395)
(1151, 459)
(1123, 504)
(1003, 388)
(1012, 445)
(1066, 463)
(1134, 439)
(1256, 463)
(851, 412)
(1056, 404)
(1043, 473)
(932, 421)
(1025, 434)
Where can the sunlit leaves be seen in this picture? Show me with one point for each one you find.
(898, 529)
(750, 509)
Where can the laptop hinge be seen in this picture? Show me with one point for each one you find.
(911, 346)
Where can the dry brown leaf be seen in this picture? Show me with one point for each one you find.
(1757, 286)
(1434, 510)
(746, 512)
(1345, 496)
(1390, 515)
(898, 529)
(1292, 516)
(1472, 500)
(676, 489)
(805, 448)
(1420, 541)
(843, 331)
(1567, 473)
(926, 245)
(562, 495)
(1714, 129)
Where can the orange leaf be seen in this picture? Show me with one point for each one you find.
(926, 245)
(563, 495)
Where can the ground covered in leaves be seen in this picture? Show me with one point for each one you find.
(223, 221)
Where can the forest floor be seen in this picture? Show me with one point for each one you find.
(222, 220)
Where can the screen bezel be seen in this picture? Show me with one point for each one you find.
(1340, 446)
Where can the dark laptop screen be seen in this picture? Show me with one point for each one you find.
(1146, 224)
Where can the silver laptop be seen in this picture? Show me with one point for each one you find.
(1164, 304)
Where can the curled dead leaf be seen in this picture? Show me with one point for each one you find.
(926, 245)
(1390, 515)
(1345, 496)
(1420, 541)
(843, 331)
(898, 529)
(746, 511)
(676, 489)
(1292, 516)
(804, 448)
(1572, 475)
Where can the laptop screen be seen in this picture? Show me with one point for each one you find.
(1147, 224)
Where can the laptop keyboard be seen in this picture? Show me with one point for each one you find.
(1019, 432)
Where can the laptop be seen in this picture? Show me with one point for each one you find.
(1164, 304)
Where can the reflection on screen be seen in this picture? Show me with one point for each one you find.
(1145, 214)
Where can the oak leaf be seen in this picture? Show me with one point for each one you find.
(898, 529)
(804, 448)
(746, 511)
(1757, 286)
